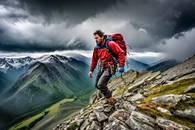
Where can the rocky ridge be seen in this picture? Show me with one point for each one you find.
(145, 101)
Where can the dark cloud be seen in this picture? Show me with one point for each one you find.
(145, 24)
(161, 18)
(72, 11)
(36, 47)
(186, 16)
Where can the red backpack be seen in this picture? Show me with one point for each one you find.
(118, 39)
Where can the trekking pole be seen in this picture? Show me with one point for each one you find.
(125, 83)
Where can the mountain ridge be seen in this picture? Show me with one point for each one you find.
(147, 100)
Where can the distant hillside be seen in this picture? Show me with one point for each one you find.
(136, 65)
(4, 81)
(162, 66)
(47, 80)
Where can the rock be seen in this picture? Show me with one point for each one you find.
(60, 126)
(170, 125)
(137, 98)
(137, 84)
(127, 106)
(108, 108)
(187, 113)
(170, 99)
(139, 121)
(84, 125)
(116, 125)
(94, 126)
(159, 77)
(71, 126)
(190, 89)
(163, 110)
(126, 95)
(121, 115)
(99, 109)
(101, 116)
(92, 117)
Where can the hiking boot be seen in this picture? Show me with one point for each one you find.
(111, 100)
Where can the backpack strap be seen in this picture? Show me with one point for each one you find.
(107, 40)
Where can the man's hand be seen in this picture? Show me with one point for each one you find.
(90, 74)
(121, 69)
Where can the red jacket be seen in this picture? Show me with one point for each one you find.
(104, 56)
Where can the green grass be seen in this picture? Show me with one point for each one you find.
(175, 88)
(153, 112)
(28, 123)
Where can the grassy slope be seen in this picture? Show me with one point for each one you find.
(53, 114)
(28, 123)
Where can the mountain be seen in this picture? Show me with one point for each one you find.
(162, 66)
(12, 68)
(4, 81)
(10, 65)
(46, 80)
(136, 65)
(145, 101)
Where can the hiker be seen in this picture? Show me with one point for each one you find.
(107, 63)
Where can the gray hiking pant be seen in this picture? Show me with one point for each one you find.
(102, 79)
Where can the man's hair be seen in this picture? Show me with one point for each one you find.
(98, 32)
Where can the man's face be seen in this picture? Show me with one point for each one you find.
(98, 39)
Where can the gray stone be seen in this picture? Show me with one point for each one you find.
(108, 108)
(128, 94)
(99, 109)
(127, 106)
(94, 126)
(116, 125)
(190, 89)
(121, 115)
(139, 121)
(163, 110)
(170, 99)
(187, 113)
(170, 125)
(137, 98)
(101, 116)
(92, 117)
(85, 125)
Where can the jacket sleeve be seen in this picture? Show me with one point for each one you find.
(118, 52)
(94, 60)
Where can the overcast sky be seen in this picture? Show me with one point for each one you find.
(165, 27)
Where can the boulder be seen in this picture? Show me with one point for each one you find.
(163, 110)
(121, 115)
(170, 99)
(187, 113)
(116, 125)
(94, 126)
(92, 117)
(137, 98)
(128, 106)
(100, 116)
(139, 121)
(190, 89)
(169, 125)
(84, 125)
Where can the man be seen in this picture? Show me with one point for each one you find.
(107, 63)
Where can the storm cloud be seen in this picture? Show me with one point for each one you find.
(147, 25)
